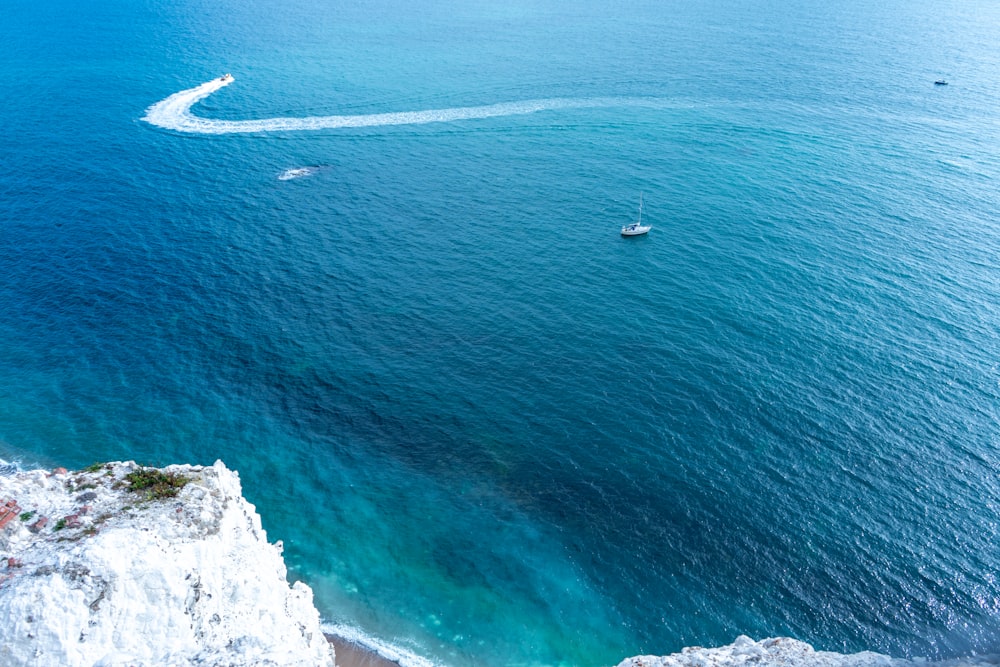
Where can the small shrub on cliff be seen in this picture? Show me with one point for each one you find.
(155, 484)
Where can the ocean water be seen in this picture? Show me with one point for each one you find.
(489, 430)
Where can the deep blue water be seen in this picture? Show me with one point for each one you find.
(489, 430)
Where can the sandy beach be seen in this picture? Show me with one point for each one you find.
(350, 654)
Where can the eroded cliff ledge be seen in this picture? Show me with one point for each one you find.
(101, 567)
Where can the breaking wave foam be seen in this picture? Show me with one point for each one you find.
(8, 468)
(297, 172)
(174, 113)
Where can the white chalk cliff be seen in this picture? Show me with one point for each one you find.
(786, 652)
(114, 579)
(774, 652)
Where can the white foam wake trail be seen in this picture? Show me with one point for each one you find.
(174, 113)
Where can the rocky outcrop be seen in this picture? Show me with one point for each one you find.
(786, 652)
(776, 652)
(97, 571)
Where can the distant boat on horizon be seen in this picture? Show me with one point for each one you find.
(940, 82)
(636, 228)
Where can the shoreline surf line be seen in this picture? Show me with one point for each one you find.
(349, 654)
(174, 113)
(355, 648)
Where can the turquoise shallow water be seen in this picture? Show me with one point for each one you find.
(489, 430)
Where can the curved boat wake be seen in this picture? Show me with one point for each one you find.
(174, 113)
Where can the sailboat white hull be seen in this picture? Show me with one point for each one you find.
(636, 228)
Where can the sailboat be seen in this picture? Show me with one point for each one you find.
(636, 228)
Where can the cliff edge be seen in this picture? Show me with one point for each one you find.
(120, 565)
(787, 652)
(774, 652)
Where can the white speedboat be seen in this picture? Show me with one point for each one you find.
(636, 228)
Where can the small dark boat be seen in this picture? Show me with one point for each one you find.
(940, 82)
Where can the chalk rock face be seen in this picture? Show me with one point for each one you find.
(777, 652)
(114, 578)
